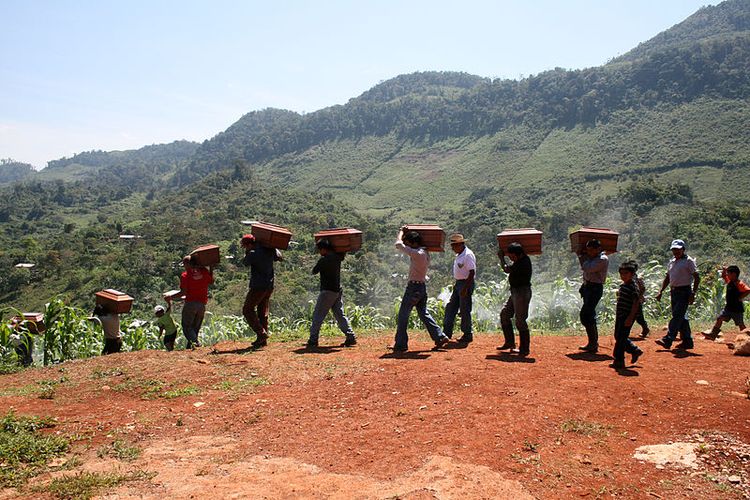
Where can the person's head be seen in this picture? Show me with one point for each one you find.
(593, 248)
(159, 311)
(413, 239)
(733, 273)
(458, 243)
(627, 271)
(247, 241)
(187, 261)
(515, 251)
(678, 248)
(324, 246)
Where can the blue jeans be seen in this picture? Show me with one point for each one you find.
(680, 298)
(415, 296)
(328, 301)
(455, 304)
(192, 319)
(591, 293)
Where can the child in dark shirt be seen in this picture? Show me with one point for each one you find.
(627, 309)
(734, 309)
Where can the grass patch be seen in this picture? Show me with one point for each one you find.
(189, 390)
(101, 372)
(24, 451)
(584, 428)
(120, 450)
(241, 384)
(85, 485)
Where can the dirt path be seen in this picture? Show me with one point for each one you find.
(360, 423)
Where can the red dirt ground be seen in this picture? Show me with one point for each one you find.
(360, 423)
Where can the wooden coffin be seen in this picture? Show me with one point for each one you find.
(34, 321)
(114, 301)
(205, 256)
(433, 237)
(174, 295)
(271, 235)
(343, 239)
(607, 237)
(529, 238)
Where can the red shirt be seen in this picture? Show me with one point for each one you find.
(194, 283)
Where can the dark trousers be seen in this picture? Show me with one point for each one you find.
(458, 303)
(192, 319)
(591, 293)
(255, 310)
(169, 341)
(640, 318)
(680, 299)
(623, 343)
(518, 306)
(112, 346)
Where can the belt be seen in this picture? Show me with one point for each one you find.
(417, 282)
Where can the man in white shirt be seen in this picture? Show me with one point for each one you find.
(683, 280)
(464, 271)
(416, 292)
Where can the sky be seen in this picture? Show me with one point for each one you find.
(81, 75)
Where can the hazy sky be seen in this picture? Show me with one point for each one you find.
(77, 75)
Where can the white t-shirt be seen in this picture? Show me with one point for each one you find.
(463, 264)
(681, 271)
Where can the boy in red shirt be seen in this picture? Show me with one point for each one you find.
(734, 309)
(194, 284)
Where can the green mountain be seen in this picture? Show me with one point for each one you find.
(12, 171)
(655, 144)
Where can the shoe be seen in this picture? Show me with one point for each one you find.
(506, 346)
(684, 345)
(311, 345)
(521, 352)
(634, 357)
(196, 344)
(441, 342)
(645, 333)
(466, 339)
(593, 349)
(260, 342)
(665, 343)
(350, 341)
(617, 365)
(398, 348)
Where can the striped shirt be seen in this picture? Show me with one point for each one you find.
(626, 297)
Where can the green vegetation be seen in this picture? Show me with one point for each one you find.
(584, 428)
(85, 485)
(24, 450)
(120, 450)
(654, 144)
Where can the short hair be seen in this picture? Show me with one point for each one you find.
(515, 248)
(594, 243)
(733, 269)
(634, 264)
(324, 244)
(187, 260)
(628, 266)
(413, 237)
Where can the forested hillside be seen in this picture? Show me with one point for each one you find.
(655, 144)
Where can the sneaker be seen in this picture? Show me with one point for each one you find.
(466, 339)
(590, 348)
(350, 341)
(665, 343)
(521, 352)
(684, 345)
(645, 332)
(506, 346)
(634, 357)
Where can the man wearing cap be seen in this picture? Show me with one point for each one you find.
(416, 292)
(464, 270)
(255, 310)
(683, 280)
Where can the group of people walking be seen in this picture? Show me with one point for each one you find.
(681, 277)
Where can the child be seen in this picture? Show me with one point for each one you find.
(111, 325)
(166, 325)
(627, 309)
(640, 318)
(734, 308)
